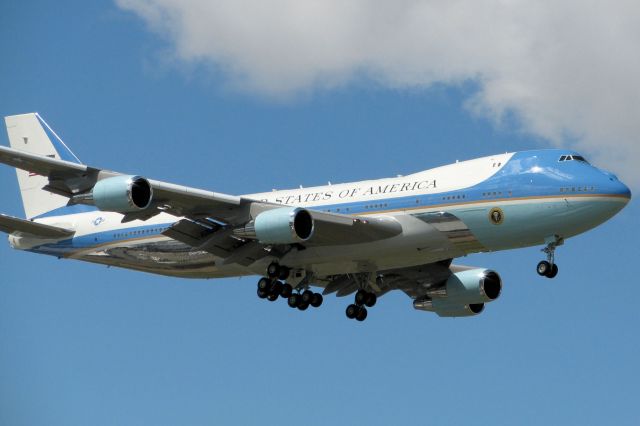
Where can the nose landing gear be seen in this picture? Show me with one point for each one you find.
(548, 268)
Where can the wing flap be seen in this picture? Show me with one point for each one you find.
(331, 228)
(12, 225)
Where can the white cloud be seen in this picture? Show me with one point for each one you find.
(568, 69)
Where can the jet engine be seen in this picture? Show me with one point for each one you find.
(122, 194)
(286, 225)
(463, 294)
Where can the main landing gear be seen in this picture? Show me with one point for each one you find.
(271, 288)
(357, 310)
(300, 297)
(548, 268)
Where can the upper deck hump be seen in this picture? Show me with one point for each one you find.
(451, 177)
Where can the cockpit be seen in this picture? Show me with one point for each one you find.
(572, 157)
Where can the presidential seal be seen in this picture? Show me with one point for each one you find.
(496, 216)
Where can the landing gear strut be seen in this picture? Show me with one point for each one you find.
(357, 310)
(548, 268)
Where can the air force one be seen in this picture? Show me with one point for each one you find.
(367, 237)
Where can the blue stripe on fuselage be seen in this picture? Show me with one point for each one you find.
(66, 247)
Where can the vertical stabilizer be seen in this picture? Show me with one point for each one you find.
(29, 132)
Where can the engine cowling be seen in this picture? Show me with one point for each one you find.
(287, 225)
(470, 286)
(122, 194)
(463, 294)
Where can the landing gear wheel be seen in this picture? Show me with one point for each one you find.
(316, 301)
(264, 284)
(543, 268)
(370, 300)
(262, 294)
(362, 314)
(276, 288)
(553, 272)
(307, 296)
(352, 311)
(293, 300)
(303, 306)
(272, 297)
(361, 296)
(283, 273)
(287, 290)
(273, 270)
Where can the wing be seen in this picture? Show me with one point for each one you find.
(211, 221)
(76, 182)
(13, 225)
(415, 281)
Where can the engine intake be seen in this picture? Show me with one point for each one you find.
(122, 194)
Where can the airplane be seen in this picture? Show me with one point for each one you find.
(362, 238)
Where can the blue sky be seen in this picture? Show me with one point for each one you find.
(84, 344)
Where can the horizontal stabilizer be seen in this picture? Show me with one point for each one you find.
(11, 225)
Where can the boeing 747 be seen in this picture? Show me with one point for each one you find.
(364, 238)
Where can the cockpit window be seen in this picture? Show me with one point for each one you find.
(573, 157)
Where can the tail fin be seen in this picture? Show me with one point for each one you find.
(29, 132)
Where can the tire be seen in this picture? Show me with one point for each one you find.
(303, 306)
(262, 294)
(352, 311)
(287, 291)
(361, 296)
(362, 314)
(370, 300)
(552, 272)
(273, 270)
(293, 300)
(307, 296)
(283, 274)
(316, 301)
(264, 284)
(276, 288)
(543, 268)
(272, 297)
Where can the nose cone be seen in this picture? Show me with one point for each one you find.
(616, 196)
(624, 191)
(616, 187)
